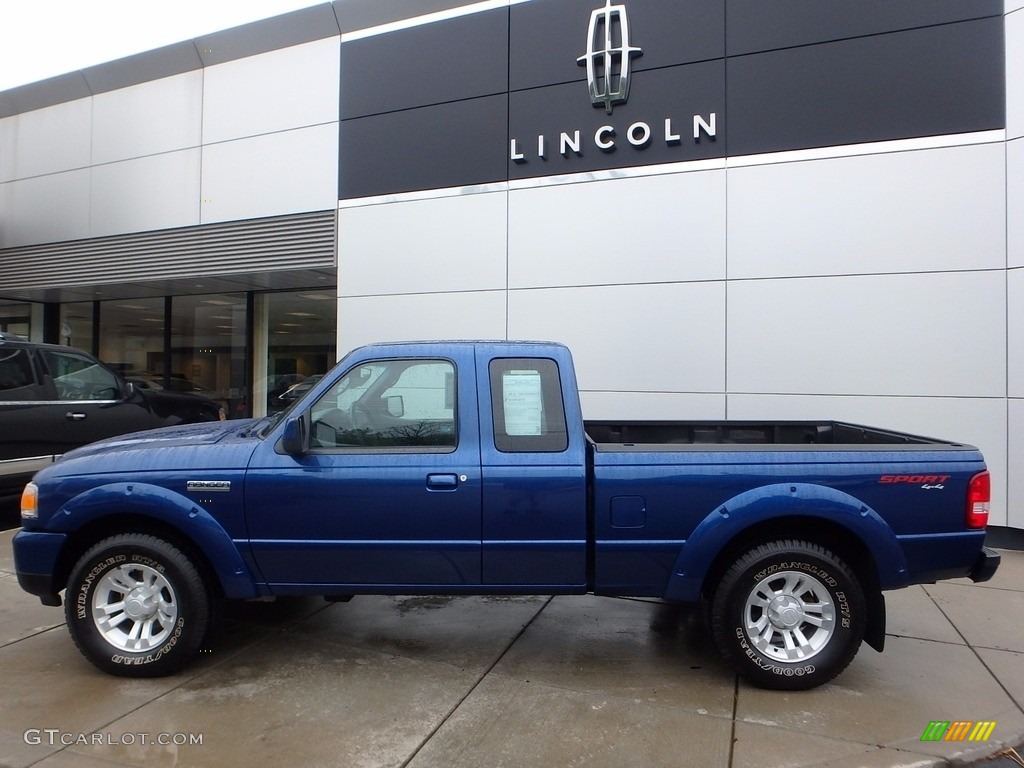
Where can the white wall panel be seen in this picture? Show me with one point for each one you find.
(651, 229)
(1015, 73)
(975, 421)
(651, 338)
(1015, 202)
(156, 192)
(926, 334)
(45, 209)
(159, 116)
(1015, 332)
(1015, 495)
(927, 210)
(471, 315)
(271, 175)
(1013, 5)
(425, 246)
(651, 406)
(275, 91)
(46, 140)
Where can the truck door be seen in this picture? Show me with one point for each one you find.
(90, 403)
(534, 472)
(387, 493)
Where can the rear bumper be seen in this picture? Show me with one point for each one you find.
(985, 566)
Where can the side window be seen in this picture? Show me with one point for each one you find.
(392, 404)
(80, 378)
(16, 379)
(528, 413)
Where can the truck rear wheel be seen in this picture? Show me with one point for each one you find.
(136, 606)
(788, 615)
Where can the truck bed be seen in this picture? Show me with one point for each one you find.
(615, 435)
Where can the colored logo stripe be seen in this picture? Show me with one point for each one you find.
(959, 730)
(982, 731)
(935, 731)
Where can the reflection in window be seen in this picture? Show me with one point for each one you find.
(16, 379)
(132, 337)
(299, 329)
(16, 318)
(208, 349)
(80, 378)
(388, 404)
(76, 328)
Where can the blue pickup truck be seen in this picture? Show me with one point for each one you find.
(467, 468)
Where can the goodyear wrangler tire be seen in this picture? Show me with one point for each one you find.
(136, 606)
(789, 615)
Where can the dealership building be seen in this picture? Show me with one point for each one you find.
(809, 209)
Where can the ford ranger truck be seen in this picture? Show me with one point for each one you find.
(465, 468)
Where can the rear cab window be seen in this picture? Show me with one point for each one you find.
(527, 408)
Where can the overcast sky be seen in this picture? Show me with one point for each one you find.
(44, 38)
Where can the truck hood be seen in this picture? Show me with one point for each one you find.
(219, 444)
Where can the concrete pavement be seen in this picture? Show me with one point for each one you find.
(521, 681)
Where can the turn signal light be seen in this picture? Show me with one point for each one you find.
(979, 494)
(30, 502)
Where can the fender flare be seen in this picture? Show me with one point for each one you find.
(172, 509)
(760, 505)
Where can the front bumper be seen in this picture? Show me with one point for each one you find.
(35, 561)
(985, 566)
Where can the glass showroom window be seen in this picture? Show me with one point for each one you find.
(76, 325)
(208, 349)
(295, 335)
(16, 318)
(131, 337)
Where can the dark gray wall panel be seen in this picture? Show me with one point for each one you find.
(757, 25)
(361, 14)
(302, 26)
(143, 67)
(460, 58)
(449, 145)
(45, 93)
(547, 37)
(926, 82)
(677, 92)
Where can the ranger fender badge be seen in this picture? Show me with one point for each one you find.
(206, 486)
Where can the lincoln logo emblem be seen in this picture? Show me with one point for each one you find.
(608, 66)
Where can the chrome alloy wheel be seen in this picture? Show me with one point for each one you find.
(134, 607)
(789, 616)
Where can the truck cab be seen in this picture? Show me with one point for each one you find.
(473, 467)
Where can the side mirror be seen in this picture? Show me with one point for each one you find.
(396, 406)
(293, 441)
(129, 390)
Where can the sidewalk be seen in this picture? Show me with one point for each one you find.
(523, 681)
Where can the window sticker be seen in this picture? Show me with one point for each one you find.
(523, 403)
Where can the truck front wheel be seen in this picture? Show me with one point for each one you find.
(137, 606)
(788, 615)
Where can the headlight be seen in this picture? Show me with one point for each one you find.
(30, 502)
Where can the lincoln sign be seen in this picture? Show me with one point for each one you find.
(608, 62)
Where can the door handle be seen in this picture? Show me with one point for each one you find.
(442, 482)
(73, 416)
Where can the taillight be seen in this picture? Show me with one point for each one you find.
(979, 494)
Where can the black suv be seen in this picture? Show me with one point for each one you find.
(55, 398)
